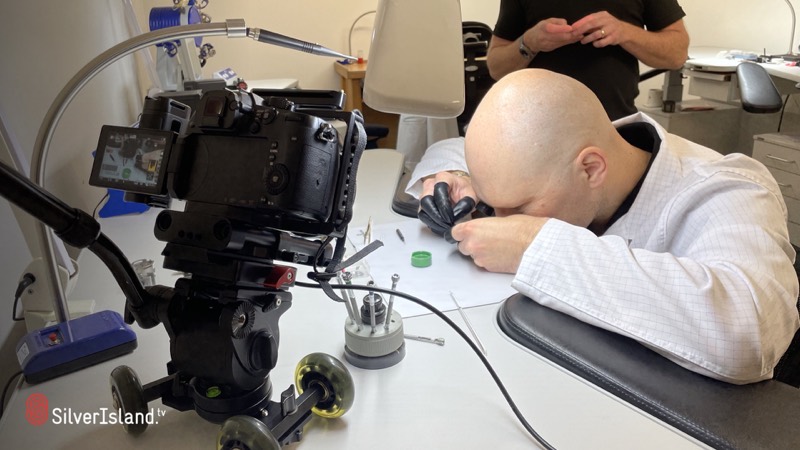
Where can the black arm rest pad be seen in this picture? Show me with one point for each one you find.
(758, 92)
(403, 203)
(754, 416)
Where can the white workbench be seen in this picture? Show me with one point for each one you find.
(436, 398)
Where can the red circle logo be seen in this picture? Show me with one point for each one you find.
(36, 409)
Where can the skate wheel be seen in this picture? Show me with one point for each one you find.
(245, 433)
(128, 397)
(333, 377)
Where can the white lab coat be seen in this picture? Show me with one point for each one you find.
(699, 269)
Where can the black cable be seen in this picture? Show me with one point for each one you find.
(461, 333)
(94, 212)
(5, 391)
(783, 110)
(27, 280)
(14, 311)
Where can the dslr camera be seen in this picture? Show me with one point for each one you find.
(243, 164)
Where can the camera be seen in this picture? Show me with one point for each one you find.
(238, 152)
(259, 175)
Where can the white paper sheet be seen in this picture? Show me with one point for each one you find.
(450, 271)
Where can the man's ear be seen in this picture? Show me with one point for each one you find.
(593, 163)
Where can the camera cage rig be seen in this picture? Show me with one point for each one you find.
(223, 319)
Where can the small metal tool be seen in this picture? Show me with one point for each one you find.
(469, 325)
(348, 280)
(368, 232)
(400, 235)
(294, 44)
(346, 298)
(395, 279)
(372, 320)
(413, 337)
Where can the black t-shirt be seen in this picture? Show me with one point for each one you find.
(610, 72)
(643, 136)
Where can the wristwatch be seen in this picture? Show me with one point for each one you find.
(526, 52)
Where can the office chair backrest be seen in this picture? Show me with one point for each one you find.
(758, 92)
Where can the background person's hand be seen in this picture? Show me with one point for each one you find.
(549, 34)
(601, 29)
(497, 243)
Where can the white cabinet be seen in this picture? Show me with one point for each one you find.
(781, 154)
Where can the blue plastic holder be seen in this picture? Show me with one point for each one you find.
(167, 16)
(117, 206)
(73, 345)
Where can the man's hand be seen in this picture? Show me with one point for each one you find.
(601, 29)
(446, 198)
(497, 243)
(550, 34)
(460, 186)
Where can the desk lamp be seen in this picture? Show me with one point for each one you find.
(416, 59)
(791, 56)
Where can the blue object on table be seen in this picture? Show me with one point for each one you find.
(73, 345)
(117, 206)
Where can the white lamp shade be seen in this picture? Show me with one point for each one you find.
(416, 59)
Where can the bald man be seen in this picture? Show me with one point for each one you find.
(625, 226)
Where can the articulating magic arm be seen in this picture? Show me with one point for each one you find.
(80, 230)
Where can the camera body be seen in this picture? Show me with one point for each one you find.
(263, 179)
(265, 158)
(236, 152)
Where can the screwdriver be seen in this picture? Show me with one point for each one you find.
(414, 337)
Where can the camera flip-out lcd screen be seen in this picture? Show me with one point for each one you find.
(132, 159)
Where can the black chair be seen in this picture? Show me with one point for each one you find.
(375, 132)
(724, 416)
(757, 90)
(477, 81)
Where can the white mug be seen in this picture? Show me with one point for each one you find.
(654, 98)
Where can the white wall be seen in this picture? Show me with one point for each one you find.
(326, 23)
(44, 42)
(741, 24)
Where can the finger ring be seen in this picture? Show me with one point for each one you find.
(602, 33)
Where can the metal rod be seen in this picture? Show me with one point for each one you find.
(791, 42)
(395, 279)
(348, 280)
(371, 302)
(346, 299)
(469, 325)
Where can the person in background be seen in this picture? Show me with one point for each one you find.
(624, 226)
(599, 43)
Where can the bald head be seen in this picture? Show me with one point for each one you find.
(531, 126)
(550, 116)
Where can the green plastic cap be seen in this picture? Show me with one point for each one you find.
(421, 258)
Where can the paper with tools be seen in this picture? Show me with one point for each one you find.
(449, 271)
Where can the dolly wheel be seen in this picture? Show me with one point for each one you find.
(128, 397)
(328, 373)
(245, 433)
